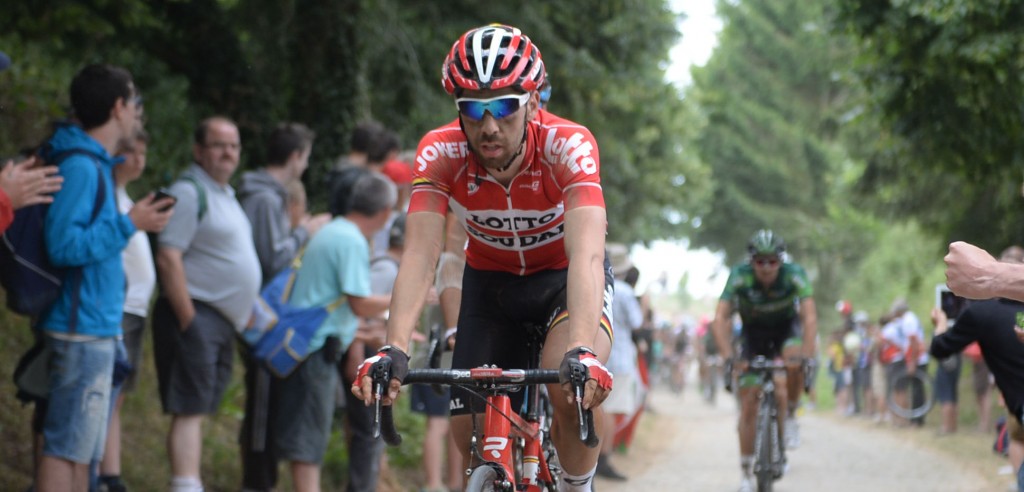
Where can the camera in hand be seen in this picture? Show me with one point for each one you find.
(951, 304)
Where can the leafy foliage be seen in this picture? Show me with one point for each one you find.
(945, 80)
(331, 64)
(774, 97)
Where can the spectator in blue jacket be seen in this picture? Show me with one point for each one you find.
(82, 326)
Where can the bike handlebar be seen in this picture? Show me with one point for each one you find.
(482, 377)
(762, 363)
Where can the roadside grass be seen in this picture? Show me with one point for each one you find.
(144, 459)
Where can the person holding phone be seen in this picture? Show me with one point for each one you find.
(140, 273)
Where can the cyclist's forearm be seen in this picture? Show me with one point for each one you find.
(584, 246)
(415, 276)
(585, 290)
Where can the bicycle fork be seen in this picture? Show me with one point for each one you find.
(497, 443)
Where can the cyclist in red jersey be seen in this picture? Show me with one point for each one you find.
(525, 185)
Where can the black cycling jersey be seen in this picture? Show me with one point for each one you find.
(991, 323)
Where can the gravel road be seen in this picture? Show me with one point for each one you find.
(689, 445)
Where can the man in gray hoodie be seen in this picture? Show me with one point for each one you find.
(264, 197)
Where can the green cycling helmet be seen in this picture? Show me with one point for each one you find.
(765, 242)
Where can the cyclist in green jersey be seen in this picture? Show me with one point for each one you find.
(774, 301)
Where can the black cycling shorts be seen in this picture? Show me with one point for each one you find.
(767, 341)
(498, 311)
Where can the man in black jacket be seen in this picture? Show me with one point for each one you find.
(993, 324)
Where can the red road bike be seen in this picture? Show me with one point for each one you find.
(513, 450)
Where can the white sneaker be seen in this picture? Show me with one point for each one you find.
(792, 434)
(747, 484)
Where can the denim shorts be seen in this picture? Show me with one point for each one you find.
(75, 426)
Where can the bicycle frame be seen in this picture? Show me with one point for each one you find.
(504, 430)
(502, 425)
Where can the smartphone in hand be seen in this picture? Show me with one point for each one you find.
(163, 193)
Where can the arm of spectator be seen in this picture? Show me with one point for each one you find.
(73, 236)
(311, 224)
(275, 245)
(973, 273)
(947, 342)
(172, 281)
(369, 306)
(26, 184)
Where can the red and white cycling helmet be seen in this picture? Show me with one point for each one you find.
(490, 58)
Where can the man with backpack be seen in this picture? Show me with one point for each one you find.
(209, 279)
(85, 235)
(336, 265)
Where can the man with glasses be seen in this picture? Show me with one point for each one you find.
(525, 185)
(209, 278)
(85, 232)
(771, 296)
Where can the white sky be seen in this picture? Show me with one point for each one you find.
(673, 259)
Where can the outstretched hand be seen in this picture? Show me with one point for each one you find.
(970, 271)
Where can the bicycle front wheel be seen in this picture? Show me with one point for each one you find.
(763, 445)
(485, 478)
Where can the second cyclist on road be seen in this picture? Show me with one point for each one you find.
(773, 298)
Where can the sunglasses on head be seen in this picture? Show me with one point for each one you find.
(499, 107)
(766, 262)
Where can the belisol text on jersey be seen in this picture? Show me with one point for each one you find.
(518, 242)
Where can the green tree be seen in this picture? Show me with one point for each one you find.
(607, 74)
(774, 99)
(945, 80)
(331, 64)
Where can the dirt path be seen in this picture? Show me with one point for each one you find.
(689, 445)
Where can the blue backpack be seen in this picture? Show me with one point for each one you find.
(32, 282)
(280, 333)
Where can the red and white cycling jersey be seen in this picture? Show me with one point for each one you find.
(518, 229)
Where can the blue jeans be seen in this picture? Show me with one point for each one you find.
(1020, 479)
(75, 426)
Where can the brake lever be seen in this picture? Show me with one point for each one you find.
(380, 374)
(809, 367)
(585, 418)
